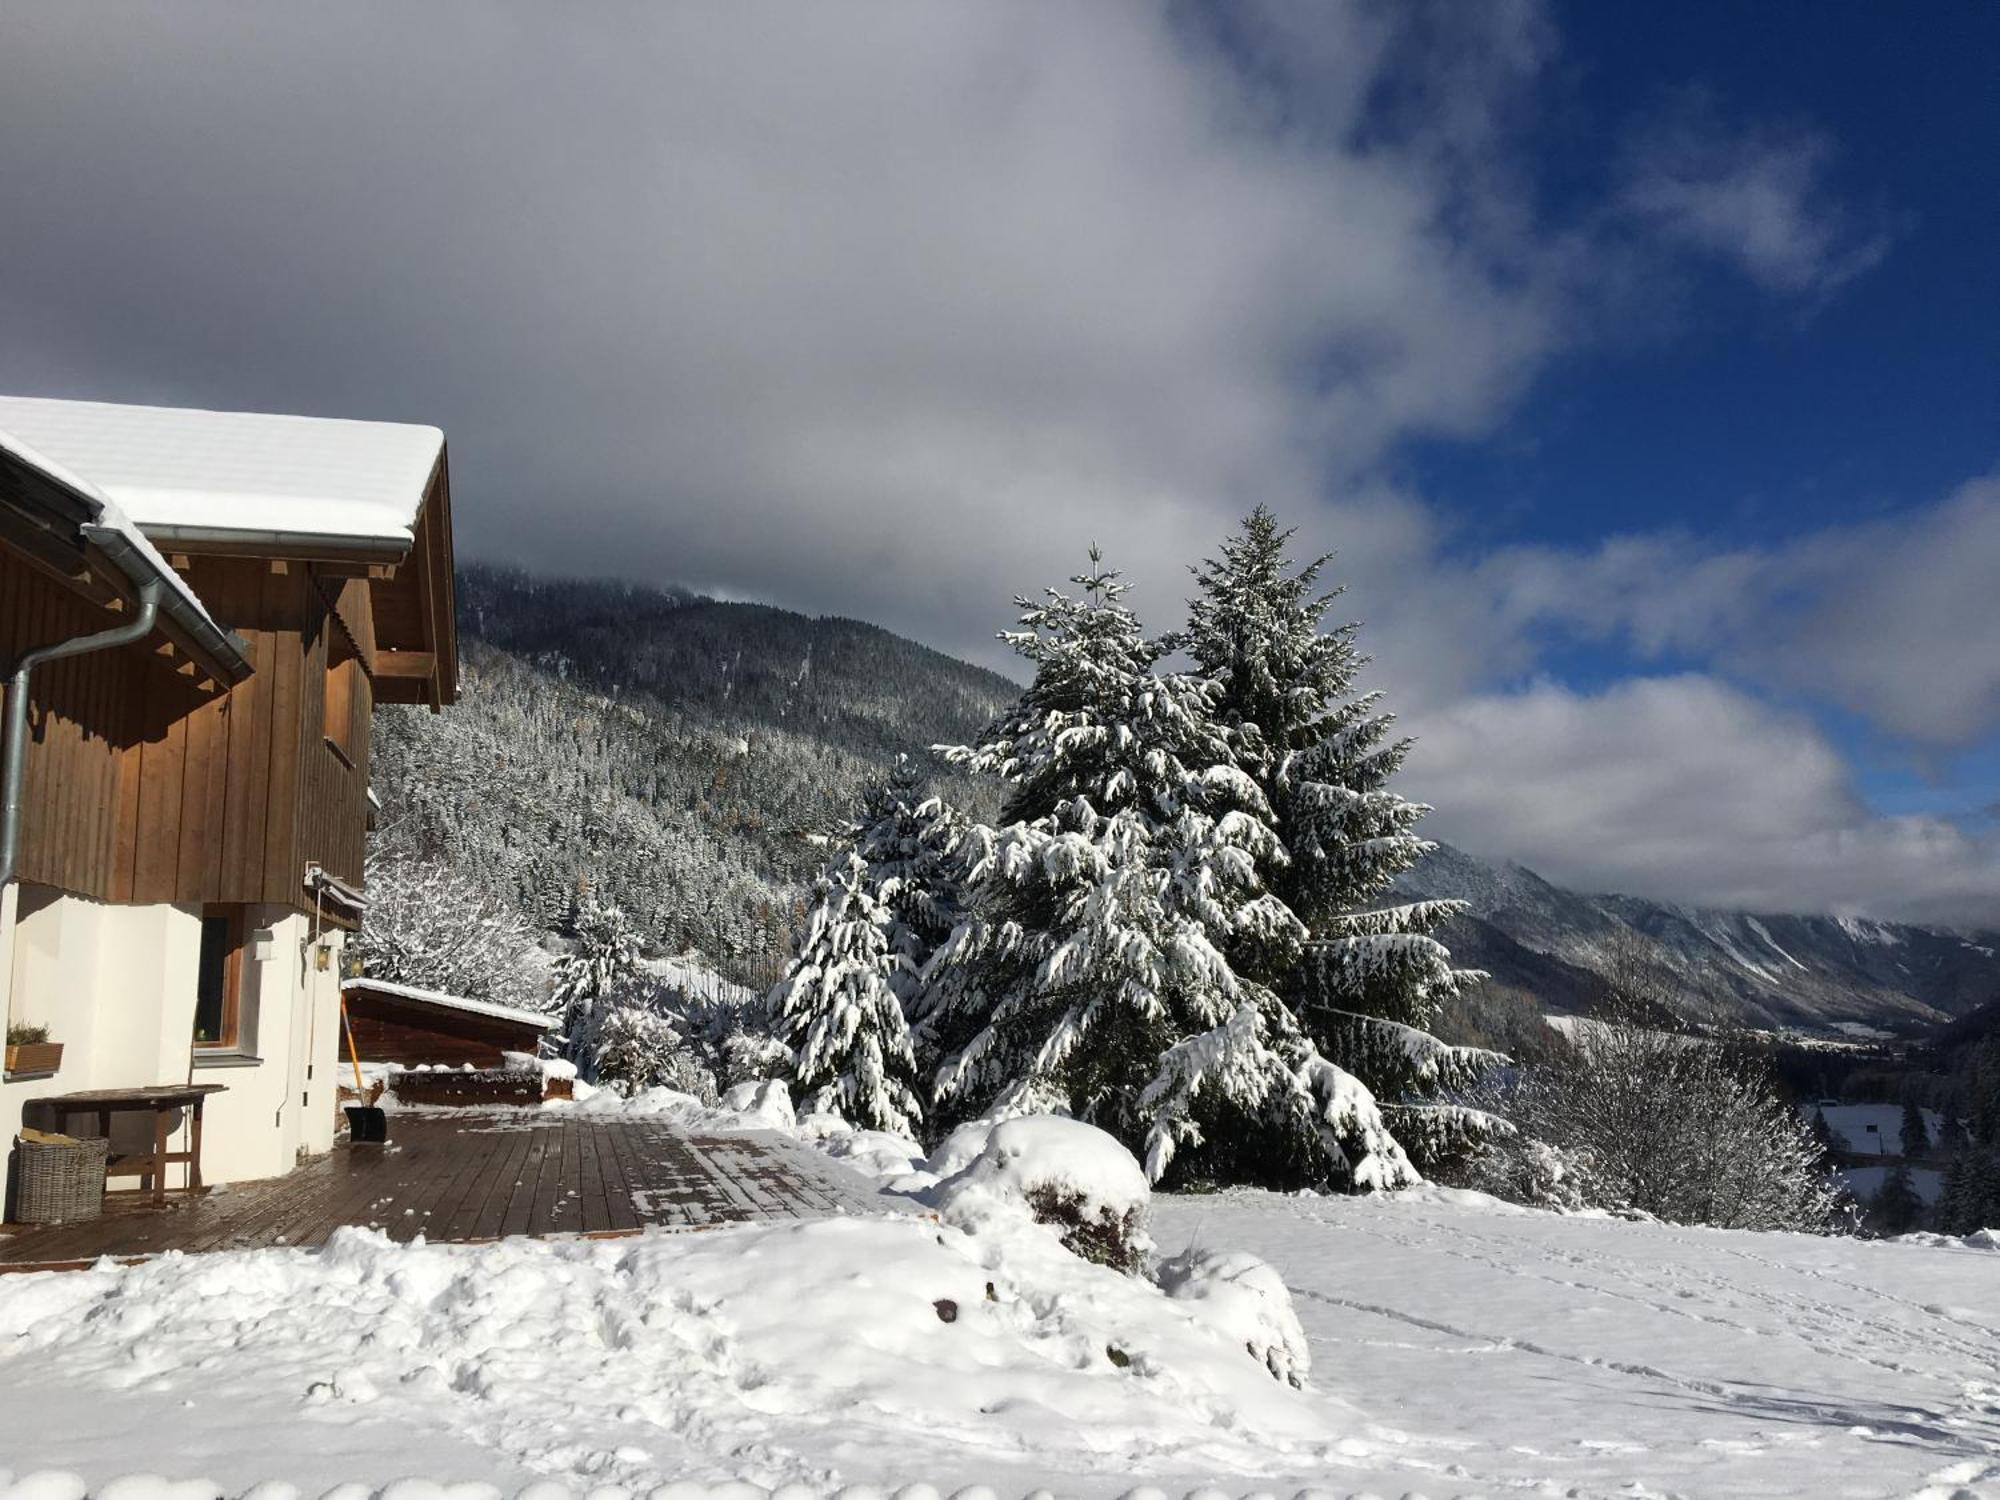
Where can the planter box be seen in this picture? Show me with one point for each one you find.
(34, 1057)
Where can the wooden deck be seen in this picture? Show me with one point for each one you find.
(471, 1178)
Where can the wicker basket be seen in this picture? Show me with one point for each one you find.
(60, 1183)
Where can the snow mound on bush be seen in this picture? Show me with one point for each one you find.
(1059, 1172)
(767, 1101)
(1247, 1301)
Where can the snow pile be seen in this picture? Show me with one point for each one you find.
(1979, 1239)
(1055, 1171)
(775, 1352)
(59, 1485)
(895, 1161)
(1247, 1301)
(767, 1103)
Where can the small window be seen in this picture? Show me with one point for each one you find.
(218, 1007)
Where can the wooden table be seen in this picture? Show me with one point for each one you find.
(161, 1101)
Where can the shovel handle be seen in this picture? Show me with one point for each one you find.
(353, 1052)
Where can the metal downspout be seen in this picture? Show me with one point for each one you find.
(14, 732)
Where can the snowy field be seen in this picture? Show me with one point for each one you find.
(1496, 1350)
(1458, 1347)
(1873, 1129)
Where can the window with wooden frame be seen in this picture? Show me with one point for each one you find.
(218, 995)
(342, 725)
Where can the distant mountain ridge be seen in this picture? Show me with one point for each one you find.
(1812, 972)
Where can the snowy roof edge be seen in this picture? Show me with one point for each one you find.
(449, 1002)
(194, 614)
(198, 475)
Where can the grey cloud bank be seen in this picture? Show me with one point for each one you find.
(890, 311)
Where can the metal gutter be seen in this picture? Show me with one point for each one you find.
(14, 728)
(279, 543)
(229, 650)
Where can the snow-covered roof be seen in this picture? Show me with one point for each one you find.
(450, 1002)
(111, 518)
(181, 473)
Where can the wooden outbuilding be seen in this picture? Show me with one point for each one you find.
(398, 1023)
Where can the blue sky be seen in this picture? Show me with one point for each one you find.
(1747, 419)
(1752, 417)
(1641, 362)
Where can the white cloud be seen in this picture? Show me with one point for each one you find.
(1755, 198)
(1893, 620)
(1683, 788)
(890, 310)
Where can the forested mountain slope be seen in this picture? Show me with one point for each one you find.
(675, 755)
(680, 755)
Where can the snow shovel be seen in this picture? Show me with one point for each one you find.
(367, 1124)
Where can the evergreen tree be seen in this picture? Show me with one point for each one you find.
(1970, 1200)
(909, 839)
(1896, 1208)
(1096, 967)
(1916, 1134)
(837, 1009)
(599, 970)
(1984, 1110)
(1369, 984)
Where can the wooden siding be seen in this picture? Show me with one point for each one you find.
(79, 722)
(394, 1028)
(142, 788)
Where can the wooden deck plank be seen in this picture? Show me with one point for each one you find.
(459, 1178)
(490, 1221)
(480, 1186)
(618, 1210)
(520, 1208)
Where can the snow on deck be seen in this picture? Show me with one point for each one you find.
(179, 469)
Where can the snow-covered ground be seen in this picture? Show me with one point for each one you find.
(1866, 1182)
(1874, 1129)
(1494, 1349)
(1458, 1346)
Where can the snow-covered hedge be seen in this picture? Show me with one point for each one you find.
(1064, 1173)
(1246, 1299)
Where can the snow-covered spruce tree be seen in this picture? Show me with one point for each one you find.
(1368, 985)
(838, 1011)
(908, 837)
(429, 927)
(1094, 968)
(1916, 1134)
(599, 971)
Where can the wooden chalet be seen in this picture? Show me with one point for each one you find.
(198, 613)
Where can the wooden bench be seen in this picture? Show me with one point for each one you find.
(161, 1101)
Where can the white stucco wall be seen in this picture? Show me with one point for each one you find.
(283, 1106)
(116, 986)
